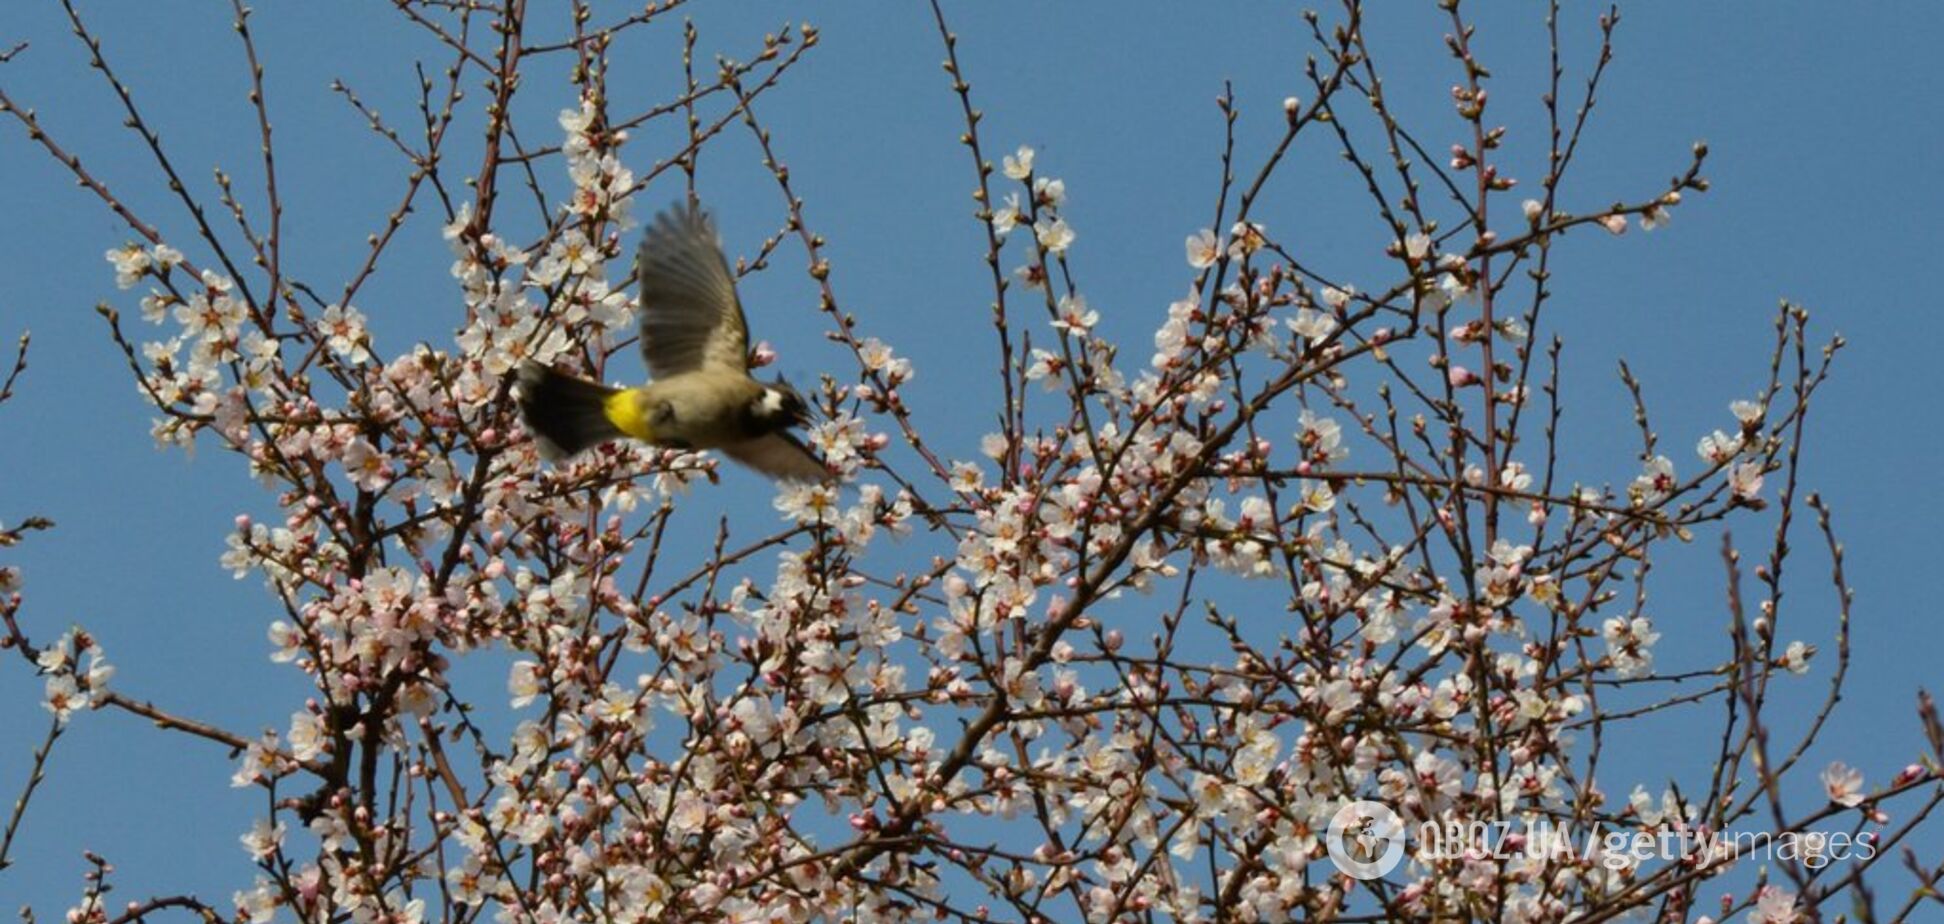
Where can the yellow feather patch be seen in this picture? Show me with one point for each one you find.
(624, 411)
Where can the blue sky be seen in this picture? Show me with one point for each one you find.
(1821, 119)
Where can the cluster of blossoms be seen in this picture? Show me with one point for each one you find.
(1123, 660)
(77, 673)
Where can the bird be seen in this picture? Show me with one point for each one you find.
(695, 340)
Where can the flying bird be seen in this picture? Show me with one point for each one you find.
(696, 343)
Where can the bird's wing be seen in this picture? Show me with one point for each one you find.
(690, 317)
(779, 456)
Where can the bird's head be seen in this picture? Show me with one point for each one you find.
(779, 407)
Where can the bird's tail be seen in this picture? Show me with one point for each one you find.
(565, 414)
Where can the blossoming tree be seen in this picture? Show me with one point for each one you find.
(1124, 660)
